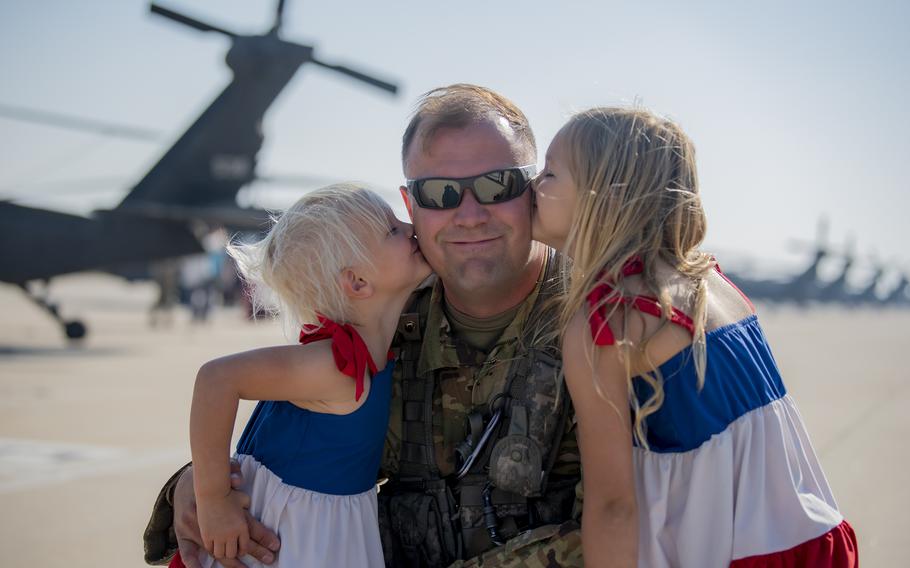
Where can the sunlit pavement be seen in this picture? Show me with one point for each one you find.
(88, 434)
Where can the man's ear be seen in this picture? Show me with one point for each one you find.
(354, 285)
(406, 197)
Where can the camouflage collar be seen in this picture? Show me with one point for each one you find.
(438, 348)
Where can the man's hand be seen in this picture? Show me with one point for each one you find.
(263, 543)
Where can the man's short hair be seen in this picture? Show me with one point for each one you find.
(461, 105)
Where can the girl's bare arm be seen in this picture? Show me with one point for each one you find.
(292, 372)
(610, 514)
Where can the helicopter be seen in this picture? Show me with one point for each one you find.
(807, 287)
(190, 191)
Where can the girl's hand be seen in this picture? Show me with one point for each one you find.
(223, 524)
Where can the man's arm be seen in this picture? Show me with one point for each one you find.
(173, 525)
(275, 373)
(159, 539)
(557, 546)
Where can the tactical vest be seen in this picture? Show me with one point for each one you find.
(428, 520)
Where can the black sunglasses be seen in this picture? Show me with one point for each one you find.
(489, 188)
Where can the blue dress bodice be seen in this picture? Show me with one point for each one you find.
(741, 376)
(329, 453)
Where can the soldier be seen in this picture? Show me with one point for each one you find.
(481, 459)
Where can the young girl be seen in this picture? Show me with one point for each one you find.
(341, 266)
(693, 453)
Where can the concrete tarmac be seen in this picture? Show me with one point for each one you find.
(89, 433)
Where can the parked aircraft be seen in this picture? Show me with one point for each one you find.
(808, 287)
(899, 294)
(191, 190)
(798, 289)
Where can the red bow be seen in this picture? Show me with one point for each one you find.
(351, 354)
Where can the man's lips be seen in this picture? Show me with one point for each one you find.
(471, 244)
(472, 241)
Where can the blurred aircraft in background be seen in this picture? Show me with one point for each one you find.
(808, 287)
(190, 192)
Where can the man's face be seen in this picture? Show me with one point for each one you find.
(472, 247)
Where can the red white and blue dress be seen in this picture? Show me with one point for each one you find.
(730, 478)
(312, 476)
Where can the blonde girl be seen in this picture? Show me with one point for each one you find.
(341, 267)
(693, 452)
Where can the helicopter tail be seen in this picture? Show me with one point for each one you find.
(60, 243)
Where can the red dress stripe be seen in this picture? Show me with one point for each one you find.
(603, 295)
(835, 549)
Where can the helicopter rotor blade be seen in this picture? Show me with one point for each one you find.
(70, 122)
(186, 20)
(279, 15)
(304, 180)
(390, 87)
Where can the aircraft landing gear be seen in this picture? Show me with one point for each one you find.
(74, 329)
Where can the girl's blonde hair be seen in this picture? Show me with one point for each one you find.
(637, 198)
(294, 270)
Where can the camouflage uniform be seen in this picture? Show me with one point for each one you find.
(159, 540)
(464, 381)
(549, 546)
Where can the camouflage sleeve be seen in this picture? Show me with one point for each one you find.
(159, 539)
(549, 546)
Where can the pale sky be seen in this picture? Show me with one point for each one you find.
(797, 109)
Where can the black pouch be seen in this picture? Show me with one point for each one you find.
(516, 462)
(516, 466)
(390, 547)
(537, 409)
(413, 534)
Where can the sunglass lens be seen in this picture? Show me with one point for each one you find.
(496, 187)
(440, 193)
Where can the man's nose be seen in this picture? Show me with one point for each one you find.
(470, 212)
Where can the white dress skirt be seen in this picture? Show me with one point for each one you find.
(316, 529)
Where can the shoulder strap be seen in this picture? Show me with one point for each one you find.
(735, 287)
(537, 400)
(417, 459)
(604, 295)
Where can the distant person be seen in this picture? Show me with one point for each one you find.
(165, 274)
(229, 284)
(693, 452)
(342, 266)
(197, 277)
